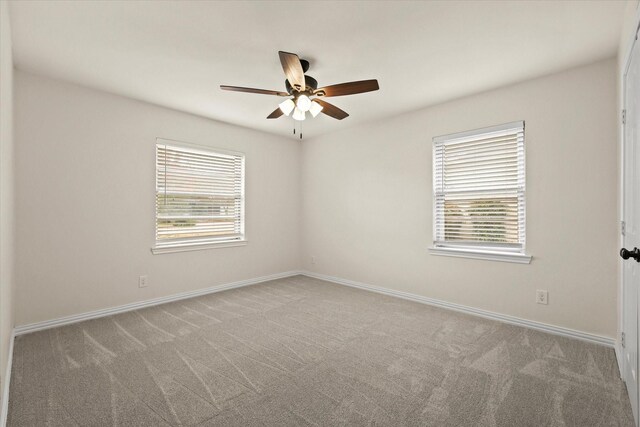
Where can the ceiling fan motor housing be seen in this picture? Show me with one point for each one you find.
(309, 81)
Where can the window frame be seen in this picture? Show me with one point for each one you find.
(185, 245)
(479, 250)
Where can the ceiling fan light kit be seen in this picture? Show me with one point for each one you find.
(303, 103)
(301, 88)
(315, 108)
(298, 114)
(287, 106)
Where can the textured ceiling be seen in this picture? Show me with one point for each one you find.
(176, 54)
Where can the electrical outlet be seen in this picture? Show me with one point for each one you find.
(542, 296)
(143, 281)
(313, 260)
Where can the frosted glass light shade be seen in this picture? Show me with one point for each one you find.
(315, 108)
(287, 106)
(298, 114)
(303, 103)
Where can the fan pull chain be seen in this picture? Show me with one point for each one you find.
(300, 130)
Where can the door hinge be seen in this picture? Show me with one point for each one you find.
(623, 227)
(624, 117)
(622, 340)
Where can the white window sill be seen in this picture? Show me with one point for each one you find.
(482, 254)
(196, 247)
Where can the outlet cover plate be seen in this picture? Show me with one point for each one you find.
(542, 296)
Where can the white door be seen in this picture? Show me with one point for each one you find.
(631, 218)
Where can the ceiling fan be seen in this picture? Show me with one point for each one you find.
(303, 95)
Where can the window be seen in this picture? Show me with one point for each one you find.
(479, 194)
(199, 197)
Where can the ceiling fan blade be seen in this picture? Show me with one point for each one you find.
(276, 113)
(350, 88)
(252, 90)
(292, 69)
(331, 110)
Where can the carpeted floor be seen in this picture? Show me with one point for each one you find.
(300, 351)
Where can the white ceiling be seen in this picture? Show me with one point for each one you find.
(176, 54)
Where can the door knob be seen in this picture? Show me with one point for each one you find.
(626, 254)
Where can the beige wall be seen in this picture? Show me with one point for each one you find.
(85, 213)
(6, 191)
(363, 208)
(629, 25)
(367, 207)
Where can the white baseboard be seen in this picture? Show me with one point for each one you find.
(619, 353)
(557, 330)
(7, 379)
(47, 324)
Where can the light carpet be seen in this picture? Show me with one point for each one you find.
(301, 351)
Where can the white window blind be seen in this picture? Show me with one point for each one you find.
(199, 196)
(479, 189)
